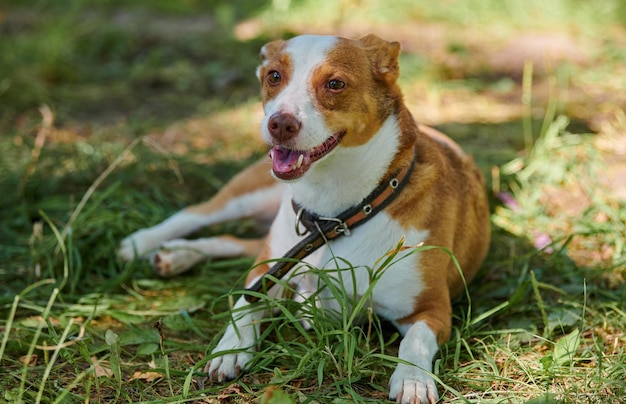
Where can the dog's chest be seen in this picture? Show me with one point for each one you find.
(357, 261)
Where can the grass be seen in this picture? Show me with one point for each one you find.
(150, 107)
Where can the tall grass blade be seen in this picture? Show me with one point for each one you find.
(45, 314)
(53, 359)
(540, 304)
(9, 325)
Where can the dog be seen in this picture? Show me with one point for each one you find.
(353, 171)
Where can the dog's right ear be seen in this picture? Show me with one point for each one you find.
(384, 57)
(268, 51)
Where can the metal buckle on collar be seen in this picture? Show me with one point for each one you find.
(342, 227)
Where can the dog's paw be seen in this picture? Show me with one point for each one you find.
(138, 245)
(409, 384)
(175, 257)
(230, 365)
(227, 367)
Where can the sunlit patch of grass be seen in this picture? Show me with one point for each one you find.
(548, 336)
(493, 16)
(565, 203)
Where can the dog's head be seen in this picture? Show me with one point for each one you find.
(321, 93)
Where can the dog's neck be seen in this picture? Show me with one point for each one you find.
(347, 176)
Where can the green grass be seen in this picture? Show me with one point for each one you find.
(152, 106)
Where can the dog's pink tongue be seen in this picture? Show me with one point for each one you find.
(286, 160)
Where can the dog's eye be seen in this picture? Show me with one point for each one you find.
(273, 77)
(336, 85)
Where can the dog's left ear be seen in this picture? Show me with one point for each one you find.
(384, 57)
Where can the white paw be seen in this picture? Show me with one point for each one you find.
(230, 365)
(175, 257)
(409, 384)
(138, 244)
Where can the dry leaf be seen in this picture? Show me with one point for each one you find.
(29, 360)
(99, 369)
(234, 388)
(147, 376)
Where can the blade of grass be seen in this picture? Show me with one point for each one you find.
(52, 361)
(540, 304)
(9, 325)
(60, 246)
(33, 344)
(40, 141)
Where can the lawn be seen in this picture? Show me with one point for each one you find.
(115, 114)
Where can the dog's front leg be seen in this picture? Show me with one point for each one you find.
(177, 256)
(238, 342)
(253, 193)
(413, 383)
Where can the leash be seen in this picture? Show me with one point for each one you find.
(324, 229)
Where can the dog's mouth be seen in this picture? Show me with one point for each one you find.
(290, 164)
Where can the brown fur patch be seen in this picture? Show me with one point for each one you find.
(259, 268)
(367, 99)
(274, 59)
(446, 191)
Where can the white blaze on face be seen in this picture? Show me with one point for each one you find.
(306, 53)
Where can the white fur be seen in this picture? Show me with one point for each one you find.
(250, 204)
(371, 241)
(389, 296)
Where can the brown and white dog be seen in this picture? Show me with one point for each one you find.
(337, 127)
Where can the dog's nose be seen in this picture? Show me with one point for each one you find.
(283, 126)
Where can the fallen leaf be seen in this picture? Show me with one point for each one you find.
(99, 369)
(233, 389)
(29, 360)
(147, 376)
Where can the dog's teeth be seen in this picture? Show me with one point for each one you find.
(271, 154)
(300, 160)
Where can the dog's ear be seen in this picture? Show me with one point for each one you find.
(383, 56)
(268, 51)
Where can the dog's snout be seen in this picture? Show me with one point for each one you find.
(283, 126)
